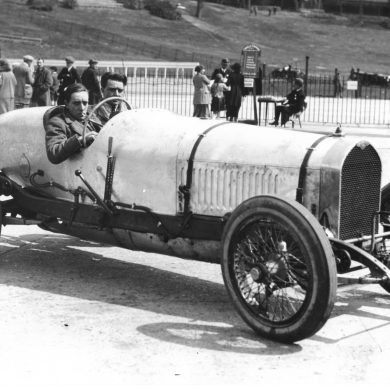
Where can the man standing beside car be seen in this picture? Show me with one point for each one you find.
(90, 80)
(43, 80)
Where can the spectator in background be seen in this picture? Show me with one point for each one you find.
(294, 102)
(202, 97)
(90, 80)
(41, 86)
(67, 76)
(24, 76)
(7, 87)
(113, 85)
(352, 74)
(224, 70)
(359, 79)
(218, 97)
(54, 87)
(234, 97)
(337, 84)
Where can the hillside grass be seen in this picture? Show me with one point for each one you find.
(122, 34)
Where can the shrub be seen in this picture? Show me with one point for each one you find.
(163, 9)
(42, 5)
(133, 4)
(69, 4)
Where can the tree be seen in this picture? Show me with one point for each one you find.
(198, 8)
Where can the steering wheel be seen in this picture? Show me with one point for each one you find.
(88, 118)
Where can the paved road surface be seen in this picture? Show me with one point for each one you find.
(76, 313)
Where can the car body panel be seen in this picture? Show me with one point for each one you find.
(154, 150)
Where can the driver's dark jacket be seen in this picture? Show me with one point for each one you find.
(62, 132)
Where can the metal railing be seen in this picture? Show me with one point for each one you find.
(176, 94)
(168, 85)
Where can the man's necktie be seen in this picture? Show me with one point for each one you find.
(114, 109)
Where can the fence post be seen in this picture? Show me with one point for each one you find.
(306, 73)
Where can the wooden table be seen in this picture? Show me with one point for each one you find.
(267, 100)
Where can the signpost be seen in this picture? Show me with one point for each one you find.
(352, 85)
(250, 56)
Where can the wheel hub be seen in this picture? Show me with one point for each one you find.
(273, 269)
(276, 266)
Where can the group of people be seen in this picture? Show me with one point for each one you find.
(224, 92)
(25, 85)
(22, 86)
(226, 89)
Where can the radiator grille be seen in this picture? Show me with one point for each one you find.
(360, 191)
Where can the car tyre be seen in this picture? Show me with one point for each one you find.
(279, 269)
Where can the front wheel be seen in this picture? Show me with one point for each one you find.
(279, 269)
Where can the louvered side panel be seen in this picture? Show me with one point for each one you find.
(219, 188)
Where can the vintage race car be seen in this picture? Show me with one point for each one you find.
(287, 214)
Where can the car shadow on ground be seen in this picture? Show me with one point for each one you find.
(371, 307)
(52, 264)
(68, 266)
(219, 338)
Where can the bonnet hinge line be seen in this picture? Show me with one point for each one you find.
(185, 189)
(303, 169)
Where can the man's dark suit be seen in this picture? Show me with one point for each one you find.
(66, 77)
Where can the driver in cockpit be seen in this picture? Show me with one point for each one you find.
(64, 131)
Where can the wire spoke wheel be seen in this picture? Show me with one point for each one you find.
(272, 274)
(278, 268)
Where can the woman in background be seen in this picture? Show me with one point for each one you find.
(7, 87)
(202, 97)
(234, 97)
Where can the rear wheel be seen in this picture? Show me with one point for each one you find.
(279, 268)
